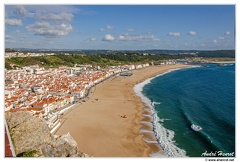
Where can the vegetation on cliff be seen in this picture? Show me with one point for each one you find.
(102, 60)
(217, 54)
(109, 58)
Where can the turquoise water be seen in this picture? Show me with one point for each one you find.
(204, 96)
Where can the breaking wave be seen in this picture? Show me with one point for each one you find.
(165, 137)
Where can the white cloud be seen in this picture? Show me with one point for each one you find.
(221, 38)
(15, 11)
(126, 37)
(8, 38)
(215, 41)
(101, 29)
(192, 33)
(109, 27)
(121, 37)
(108, 37)
(227, 33)
(51, 24)
(144, 38)
(21, 11)
(49, 30)
(13, 22)
(130, 30)
(149, 32)
(56, 17)
(59, 8)
(175, 34)
(90, 40)
(17, 31)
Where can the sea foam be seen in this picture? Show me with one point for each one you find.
(165, 137)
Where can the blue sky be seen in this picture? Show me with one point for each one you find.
(120, 27)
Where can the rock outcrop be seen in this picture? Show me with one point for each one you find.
(32, 134)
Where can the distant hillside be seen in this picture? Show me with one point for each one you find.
(102, 51)
(217, 53)
(110, 58)
(10, 50)
(102, 60)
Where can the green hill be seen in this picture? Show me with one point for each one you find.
(109, 59)
(102, 60)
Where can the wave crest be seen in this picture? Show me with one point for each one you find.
(165, 137)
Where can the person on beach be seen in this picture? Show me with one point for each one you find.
(124, 116)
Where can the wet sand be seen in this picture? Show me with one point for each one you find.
(98, 126)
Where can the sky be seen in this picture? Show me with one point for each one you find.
(120, 27)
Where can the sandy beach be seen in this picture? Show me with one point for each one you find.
(98, 125)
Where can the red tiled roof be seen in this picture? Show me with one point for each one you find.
(34, 109)
(8, 151)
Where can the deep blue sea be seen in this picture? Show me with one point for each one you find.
(204, 96)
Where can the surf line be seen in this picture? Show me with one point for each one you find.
(163, 136)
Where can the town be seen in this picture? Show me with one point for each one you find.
(48, 93)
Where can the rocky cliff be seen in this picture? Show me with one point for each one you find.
(31, 137)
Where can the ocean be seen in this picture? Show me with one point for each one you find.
(203, 95)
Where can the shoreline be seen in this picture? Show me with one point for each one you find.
(98, 126)
(223, 62)
(161, 135)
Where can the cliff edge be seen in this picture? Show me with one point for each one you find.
(31, 137)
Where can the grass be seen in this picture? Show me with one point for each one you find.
(29, 154)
